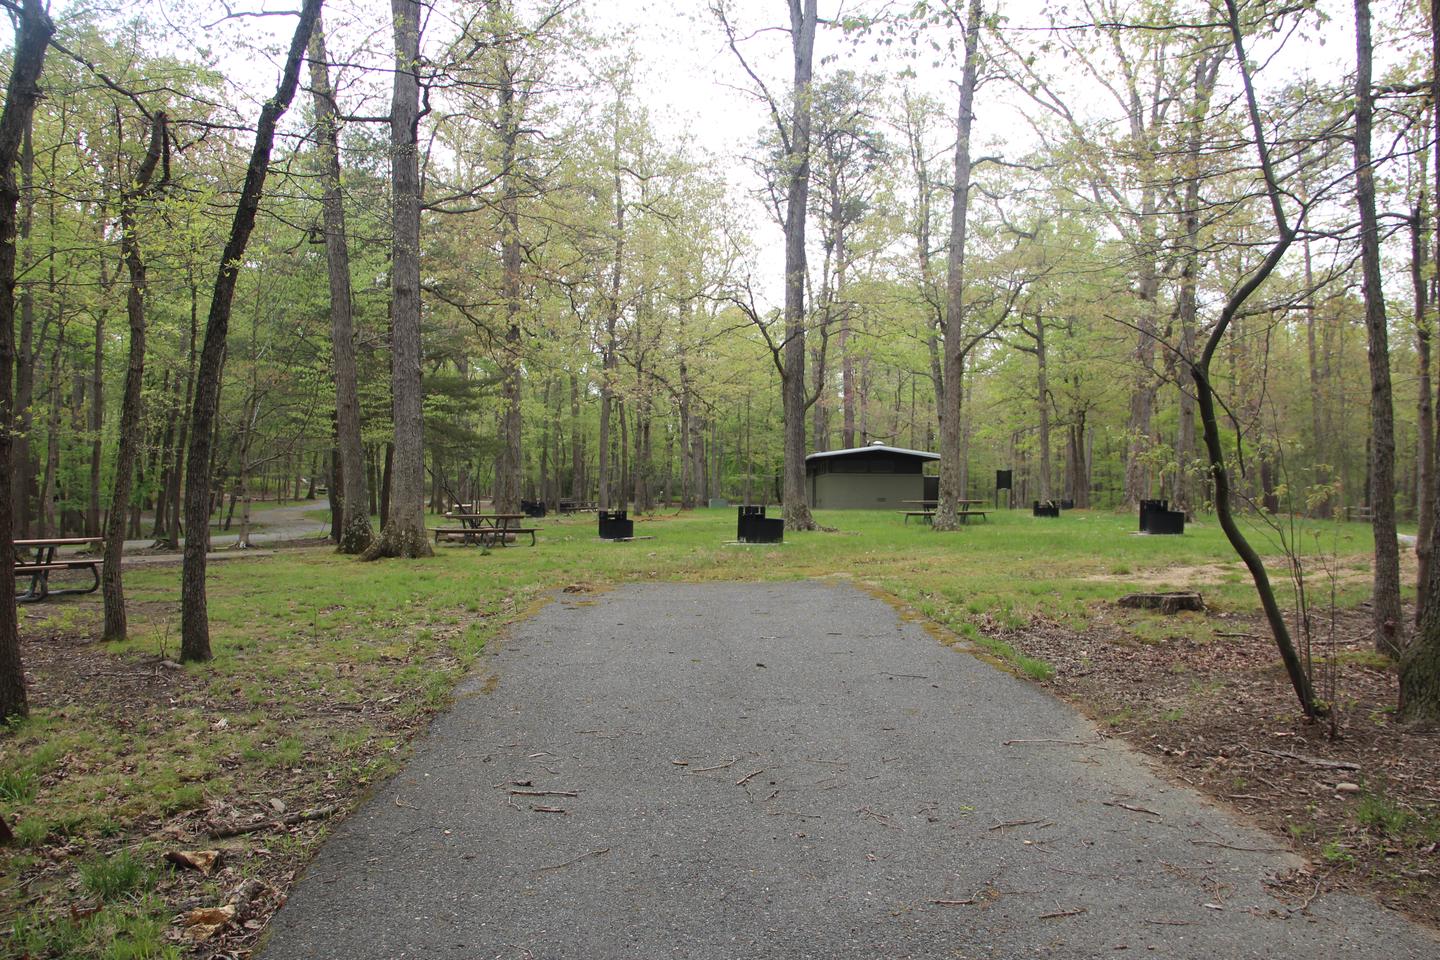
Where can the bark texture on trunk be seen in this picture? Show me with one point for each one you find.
(21, 94)
(509, 468)
(355, 531)
(952, 456)
(111, 581)
(1388, 624)
(194, 611)
(1424, 404)
(1420, 664)
(23, 470)
(1206, 70)
(1042, 400)
(404, 532)
(797, 170)
(609, 348)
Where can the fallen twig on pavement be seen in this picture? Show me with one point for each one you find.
(583, 856)
(1231, 846)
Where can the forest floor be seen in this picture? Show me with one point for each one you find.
(132, 770)
(1359, 797)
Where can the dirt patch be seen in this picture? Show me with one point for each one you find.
(1210, 574)
(1357, 795)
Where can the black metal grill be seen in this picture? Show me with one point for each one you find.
(614, 525)
(754, 527)
(1157, 517)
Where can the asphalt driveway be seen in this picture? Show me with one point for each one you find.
(788, 771)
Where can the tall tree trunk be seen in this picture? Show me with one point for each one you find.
(1042, 398)
(372, 480)
(545, 478)
(194, 609)
(1324, 470)
(21, 94)
(385, 480)
(1142, 390)
(49, 486)
(160, 459)
(577, 444)
(1425, 484)
(111, 580)
(797, 171)
(1388, 624)
(178, 453)
(404, 532)
(335, 493)
(509, 468)
(356, 533)
(1206, 70)
(952, 456)
(1420, 664)
(1205, 394)
(687, 427)
(96, 425)
(609, 349)
(22, 480)
(622, 452)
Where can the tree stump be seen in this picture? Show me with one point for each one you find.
(1164, 602)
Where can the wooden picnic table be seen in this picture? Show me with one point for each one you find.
(928, 507)
(485, 529)
(44, 562)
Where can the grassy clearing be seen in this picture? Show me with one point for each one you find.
(325, 668)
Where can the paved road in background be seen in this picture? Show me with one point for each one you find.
(788, 771)
(278, 524)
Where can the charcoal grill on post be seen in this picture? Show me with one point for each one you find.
(614, 525)
(754, 527)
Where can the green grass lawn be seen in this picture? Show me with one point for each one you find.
(325, 667)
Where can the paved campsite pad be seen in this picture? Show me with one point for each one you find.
(788, 771)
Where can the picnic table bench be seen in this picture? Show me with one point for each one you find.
(485, 529)
(44, 561)
(927, 510)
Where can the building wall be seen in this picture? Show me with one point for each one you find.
(865, 491)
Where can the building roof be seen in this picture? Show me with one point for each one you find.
(873, 448)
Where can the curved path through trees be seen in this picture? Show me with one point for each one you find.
(789, 770)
